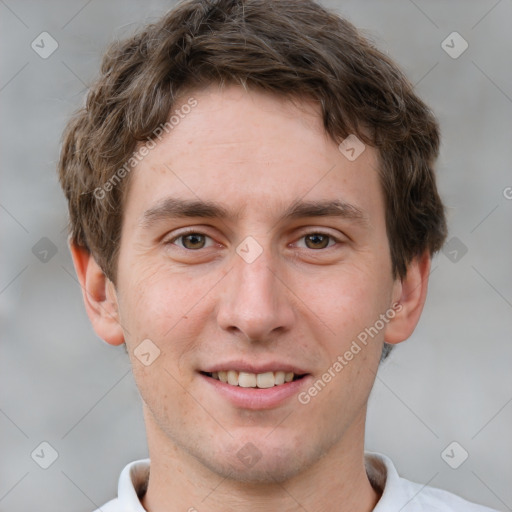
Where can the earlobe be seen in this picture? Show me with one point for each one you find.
(410, 293)
(99, 296)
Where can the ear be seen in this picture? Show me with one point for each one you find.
(409, 294)
(99, 296)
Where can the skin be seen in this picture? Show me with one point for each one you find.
(298, 302)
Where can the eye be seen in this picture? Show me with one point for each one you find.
(318, 240)
(191, 241)
(194, 241)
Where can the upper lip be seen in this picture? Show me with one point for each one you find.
(252, 367)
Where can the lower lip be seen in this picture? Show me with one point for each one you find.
(257, 398)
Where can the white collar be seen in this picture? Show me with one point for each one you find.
(134, 478)
(397, 493)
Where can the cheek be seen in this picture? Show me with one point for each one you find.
(349, 299)
(162, 306)
(163, 310)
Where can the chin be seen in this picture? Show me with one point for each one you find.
(260, 461)
(268, 469)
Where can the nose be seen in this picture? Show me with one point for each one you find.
(255, 302)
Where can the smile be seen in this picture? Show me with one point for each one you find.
(254, 380)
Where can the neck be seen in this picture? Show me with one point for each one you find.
(179, 482)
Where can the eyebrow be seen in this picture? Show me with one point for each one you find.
(170, 208)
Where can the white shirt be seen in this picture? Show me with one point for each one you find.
(398, 494)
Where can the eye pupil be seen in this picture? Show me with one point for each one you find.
(196, 241)
(317, 238)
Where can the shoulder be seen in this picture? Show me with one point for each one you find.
(428, 498)
(132, 484)
(406, 496)
(111, 506)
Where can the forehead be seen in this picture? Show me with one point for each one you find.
(248, 151)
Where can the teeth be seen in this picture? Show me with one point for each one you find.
(265, 380)
(279, 378)
(246, 380)
(253, 380)
(233, 378)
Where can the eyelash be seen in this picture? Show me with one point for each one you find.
(196, 232)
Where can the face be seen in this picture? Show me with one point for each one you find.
(252, 245)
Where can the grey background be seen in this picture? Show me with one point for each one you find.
(450, 382)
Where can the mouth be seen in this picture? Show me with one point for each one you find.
(255, 386)
(263, 380)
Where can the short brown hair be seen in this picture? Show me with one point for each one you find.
(289, 48)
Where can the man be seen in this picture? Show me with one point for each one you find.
(253, 213)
